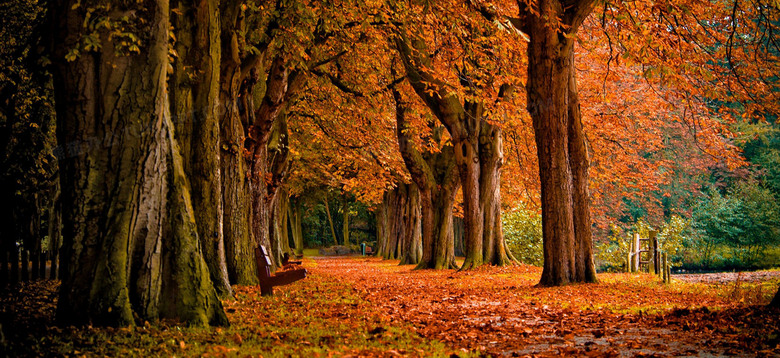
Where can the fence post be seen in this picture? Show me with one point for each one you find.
(637, 253)
(656, 259)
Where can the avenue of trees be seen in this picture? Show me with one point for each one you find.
(156, 143)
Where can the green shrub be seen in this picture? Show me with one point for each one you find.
(612, 255)
(523, 235)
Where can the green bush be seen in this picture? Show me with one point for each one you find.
(612, 255)
(523, 235)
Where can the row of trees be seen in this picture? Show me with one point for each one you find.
(180, 124)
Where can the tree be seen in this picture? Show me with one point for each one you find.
(435, 175)
(464, 111)
(131, 245)
(195, 115)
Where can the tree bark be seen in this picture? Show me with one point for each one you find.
(478, 155)
(345, 222)
(194, 96)
(330, 221)
(550, 103)
(236, 200)
(295, 211)
(411, 241)
(578, 159)
(131, 246)
(436, 177)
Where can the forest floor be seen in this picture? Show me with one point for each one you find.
(355, 306)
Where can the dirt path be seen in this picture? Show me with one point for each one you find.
(498, 311)
(728, 277)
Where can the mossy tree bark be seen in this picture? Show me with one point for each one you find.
(194, 95)
(436, 177)
(131, 247)
(478, 153)
(554, 108)
(236, 201)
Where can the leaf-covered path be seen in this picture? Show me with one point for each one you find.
(499, 311)
(352, 306)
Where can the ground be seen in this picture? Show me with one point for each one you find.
(353, 306)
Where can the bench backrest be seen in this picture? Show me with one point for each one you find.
(263, 262)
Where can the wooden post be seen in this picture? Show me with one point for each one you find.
(25, 265)
(637, 252)
(656, 258)
(628, 261)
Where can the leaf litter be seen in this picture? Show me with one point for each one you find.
(363, 307)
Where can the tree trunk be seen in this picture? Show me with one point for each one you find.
(549, 90)
(131, 246)
(437, 237)
(345, 222)
(194, 108)
(280, 238)
(477, 151)
(411, 252)
(330, 222)
(382, 217)
(578, 159)
(436, 177)
(267, 141)
(458, 229)
(295, 210)
(236, 199)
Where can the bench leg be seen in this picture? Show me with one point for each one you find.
(266, 290)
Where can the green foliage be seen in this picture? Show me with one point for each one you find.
(523, 235)
(735, 229)
(611, 255)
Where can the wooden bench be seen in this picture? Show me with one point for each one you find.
(267, 280)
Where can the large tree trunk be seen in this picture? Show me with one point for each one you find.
(549, 88)
(479, 163)
(436, 177)
(411, 237)
(267, 141)
(236, 199)
(130, 236)
(578, 158)
(399, 226)
(382, 217)
(437, 236)
(194, 109)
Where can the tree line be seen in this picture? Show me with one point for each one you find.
(175, 124)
